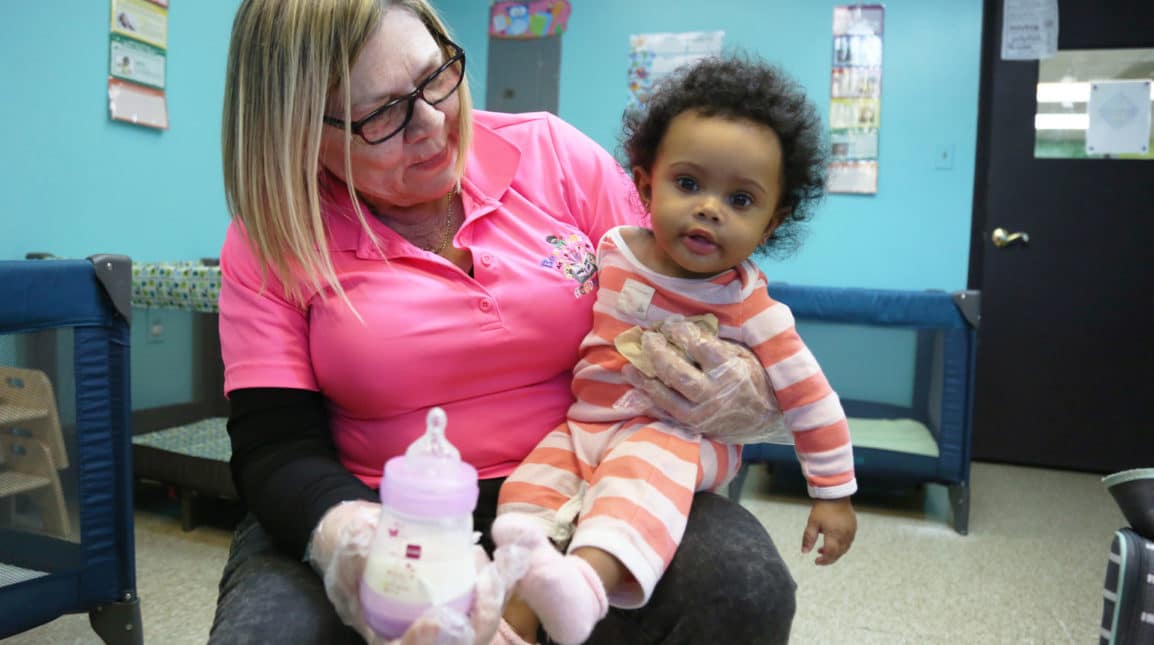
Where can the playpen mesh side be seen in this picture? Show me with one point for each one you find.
(12, 574)
(901, 365)
(887, 379)
(38, 474)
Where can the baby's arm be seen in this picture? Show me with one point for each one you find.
(814, 415)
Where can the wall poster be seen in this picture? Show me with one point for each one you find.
(137, 61)
(654, 56)
(524, 20)
(855, 99)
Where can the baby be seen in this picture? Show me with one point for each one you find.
(726, 153)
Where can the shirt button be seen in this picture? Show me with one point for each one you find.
(486, 259)
(486, 304)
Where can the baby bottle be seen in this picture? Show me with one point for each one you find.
(422, 552)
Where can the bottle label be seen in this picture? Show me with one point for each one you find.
(420, 566)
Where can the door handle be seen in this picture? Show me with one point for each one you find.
(1003, 238)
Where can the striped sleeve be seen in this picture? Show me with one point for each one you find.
(597, 379)
(813, 412)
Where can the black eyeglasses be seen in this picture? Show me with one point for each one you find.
(388, 120)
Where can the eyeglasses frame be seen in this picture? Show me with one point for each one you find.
(356, 127)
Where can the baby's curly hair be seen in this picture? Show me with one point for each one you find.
(739, 86)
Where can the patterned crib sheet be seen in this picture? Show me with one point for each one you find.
(207, 438)
(188, 285)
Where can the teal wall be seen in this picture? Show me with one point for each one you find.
(914, 234)
(77, 183)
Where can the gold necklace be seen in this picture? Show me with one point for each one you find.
(447, 234)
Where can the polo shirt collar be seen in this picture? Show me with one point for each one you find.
(489, 172)
(492, 165)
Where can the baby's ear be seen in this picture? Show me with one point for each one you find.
(778, 217)
(644, 184)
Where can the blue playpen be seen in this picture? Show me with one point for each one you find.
(903, 364)
(66, 532)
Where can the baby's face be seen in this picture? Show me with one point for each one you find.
(713, 193)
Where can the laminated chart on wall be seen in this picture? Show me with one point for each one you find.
(137, 62)
(855, 99)
(654, 56)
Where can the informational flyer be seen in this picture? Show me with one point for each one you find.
(137, 62)
(852, 177)
(143, 20)
(654, 56)
(855, 99)
(1119, 117)
(1029, 29)
(137, 104)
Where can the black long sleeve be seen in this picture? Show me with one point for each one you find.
(284, 463)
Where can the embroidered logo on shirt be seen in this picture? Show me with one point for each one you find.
(573, 258)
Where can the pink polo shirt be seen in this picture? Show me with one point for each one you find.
(496, 351)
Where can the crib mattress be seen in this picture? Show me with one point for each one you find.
(897, 435)
(206, 438)
(194, 456)
(11, 574)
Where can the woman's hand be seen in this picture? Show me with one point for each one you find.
(726, 399)
(338, 550)
(834, 519)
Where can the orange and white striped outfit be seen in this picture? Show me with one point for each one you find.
(631, 478)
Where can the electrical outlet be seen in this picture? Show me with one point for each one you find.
(944, 156)
(154, 328)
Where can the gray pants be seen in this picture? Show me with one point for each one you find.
(727, 584)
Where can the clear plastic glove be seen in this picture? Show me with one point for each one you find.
(724, 396)
(338, 550)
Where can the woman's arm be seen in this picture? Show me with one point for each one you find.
(284, 464)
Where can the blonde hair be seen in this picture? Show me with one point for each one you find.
(284, 60)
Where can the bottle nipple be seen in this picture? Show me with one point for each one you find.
(434, 443)
(430, 479)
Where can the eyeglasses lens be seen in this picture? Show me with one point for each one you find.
(436, 89)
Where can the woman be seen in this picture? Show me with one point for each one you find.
(394, 250)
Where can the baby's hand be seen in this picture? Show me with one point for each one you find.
(835, 519)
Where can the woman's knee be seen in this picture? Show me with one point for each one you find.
(726, 549)
(266, 596)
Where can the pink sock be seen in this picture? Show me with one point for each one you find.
(524, 529)
(563, 590)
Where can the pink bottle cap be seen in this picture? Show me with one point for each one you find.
(430, 480)
(429, 486)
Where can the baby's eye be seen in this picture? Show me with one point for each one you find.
(741, 200)
(686, 183)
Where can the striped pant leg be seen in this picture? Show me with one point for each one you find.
(639, 498)
(720, 463)
(546, 485)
